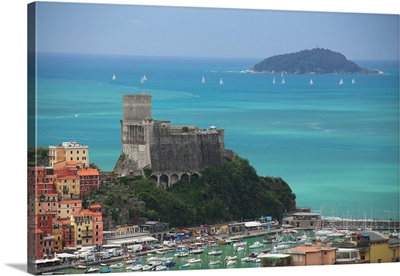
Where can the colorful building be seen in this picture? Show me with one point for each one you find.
(57, 234)
(56, 219)
(68, 207)
(88, 226)
(89, 180)
(68, 186)
(312, 255)
(97, 223)
(40, 181)
(68, 151)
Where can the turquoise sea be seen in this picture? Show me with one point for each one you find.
(337, 146)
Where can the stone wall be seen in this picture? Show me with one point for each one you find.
(185, 151)
(163, 148)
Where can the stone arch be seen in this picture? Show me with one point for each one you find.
(185, 177)
(173, 179)
(164, 180)
(194, 176)
(153, 178)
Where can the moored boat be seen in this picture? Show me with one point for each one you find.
(215, 253)
(117, 265)
(214, 262)
(185, 265)
(256, 244)
(228, 258)
(182, 254)
(135, 267)
(193, 260)
(92, 270)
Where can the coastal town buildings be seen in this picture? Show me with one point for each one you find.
(56, 217)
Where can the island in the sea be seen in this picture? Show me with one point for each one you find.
(314, 61)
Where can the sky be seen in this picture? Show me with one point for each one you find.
(212, 32)
(13, 30)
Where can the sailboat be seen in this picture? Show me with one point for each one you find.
(143, 79)
(221, 81)
(283, 81)
(114, 77)
(353, 81)
(311, 82)
(273, 80)
(341, 81)
(203, 80)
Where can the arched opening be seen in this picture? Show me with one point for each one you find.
(153, 178)
(185, 177)
(164, 180)
(174, 179)
(194, 176)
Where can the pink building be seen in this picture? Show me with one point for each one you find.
(97, 223)
(312, 255)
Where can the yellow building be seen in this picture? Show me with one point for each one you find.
(68, 186)
(83, 227)
(380, 250)
(68, 151)
(68, 207)
(375, 247)
(57, 234)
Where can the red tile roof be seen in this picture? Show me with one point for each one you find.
(88, 172)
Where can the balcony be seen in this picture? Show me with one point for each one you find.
(87, 234)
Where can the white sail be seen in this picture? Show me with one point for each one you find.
(353, 81)
(273, 80)
(341, 81)
(283, 81)
(311, 82)
(143, 79)
(221, 81)
(203, 80)
(114, 77)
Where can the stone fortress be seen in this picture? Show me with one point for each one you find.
(162, 152)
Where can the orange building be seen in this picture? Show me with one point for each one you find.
(89, 180)
(312, 255)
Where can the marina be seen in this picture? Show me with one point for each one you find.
(237, 251)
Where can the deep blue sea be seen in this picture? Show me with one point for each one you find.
(337, 146)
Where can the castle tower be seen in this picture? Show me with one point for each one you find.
(136, 107)
(135, 134)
